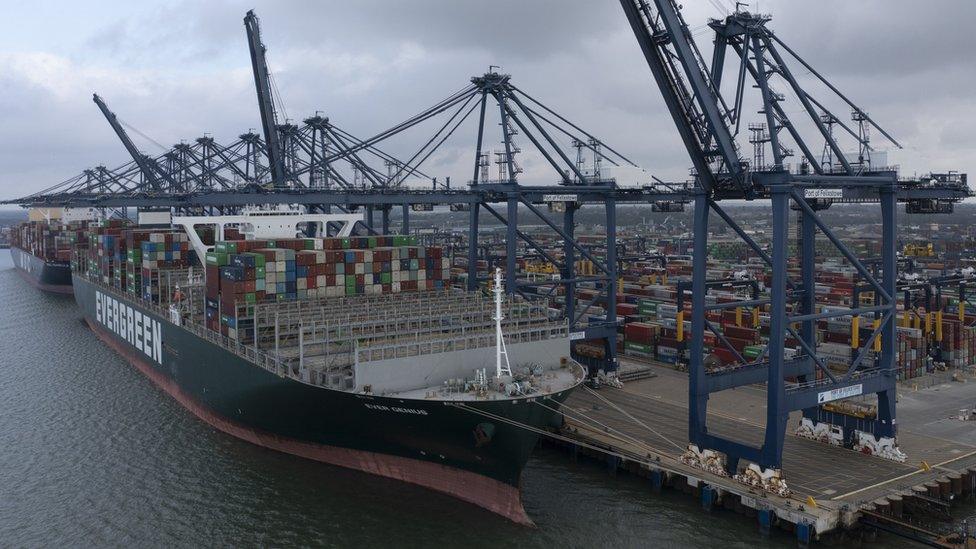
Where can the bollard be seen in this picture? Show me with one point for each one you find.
(945, 488)
(955, 482)
(896, 505)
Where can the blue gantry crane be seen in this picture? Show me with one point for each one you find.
(709, 123)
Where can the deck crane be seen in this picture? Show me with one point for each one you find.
(151, 171)
(708, 124)
(262, 84)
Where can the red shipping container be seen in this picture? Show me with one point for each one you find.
(624, 309)
(724, 355)
(738, 344)
(639, 332)
(747, 334)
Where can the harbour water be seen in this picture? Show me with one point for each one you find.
(94, 455)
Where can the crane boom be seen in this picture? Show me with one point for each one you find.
(262, 83)
(686, 86)
(147, 166)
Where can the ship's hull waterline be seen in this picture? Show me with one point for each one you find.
(49, 276)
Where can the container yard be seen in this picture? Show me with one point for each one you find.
(789, 335)
(933, 333)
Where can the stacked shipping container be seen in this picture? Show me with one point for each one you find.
(241, 273)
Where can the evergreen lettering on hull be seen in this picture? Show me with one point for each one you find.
(137, 328)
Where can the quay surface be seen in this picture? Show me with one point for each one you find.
(643, 428)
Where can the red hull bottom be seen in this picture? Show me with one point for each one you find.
(51, 288)
(495, 496)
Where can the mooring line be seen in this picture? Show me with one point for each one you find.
(634, 419)
(635, 458)
(623, 437)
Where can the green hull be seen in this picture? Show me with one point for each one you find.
(433, 443)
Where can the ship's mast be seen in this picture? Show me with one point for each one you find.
(500, 348)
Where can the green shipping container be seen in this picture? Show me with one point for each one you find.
(217, 258)
(647, 306)
(224, 247)
(259, 260)
(640, 347)
(752, 351)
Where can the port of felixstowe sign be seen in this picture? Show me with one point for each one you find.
(843, 392)
(560, 198)
(823, 193)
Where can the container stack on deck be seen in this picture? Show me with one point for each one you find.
(241, 273)
(49, 240)
(130, 259)
(107, 252)
(161, 252)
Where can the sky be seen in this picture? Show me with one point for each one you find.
(177, 70)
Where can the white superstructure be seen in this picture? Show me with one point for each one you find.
(265, 224)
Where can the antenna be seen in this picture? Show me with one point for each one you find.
(500, 348)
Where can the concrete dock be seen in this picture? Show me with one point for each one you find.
(643, 428)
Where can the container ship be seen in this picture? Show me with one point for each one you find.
(353, 351)
(42, 256)
(41, 248)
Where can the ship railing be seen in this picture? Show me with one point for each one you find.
(465, 342)
(249, 353)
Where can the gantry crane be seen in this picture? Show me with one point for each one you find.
(709, 123)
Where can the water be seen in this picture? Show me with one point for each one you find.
(92, 454)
